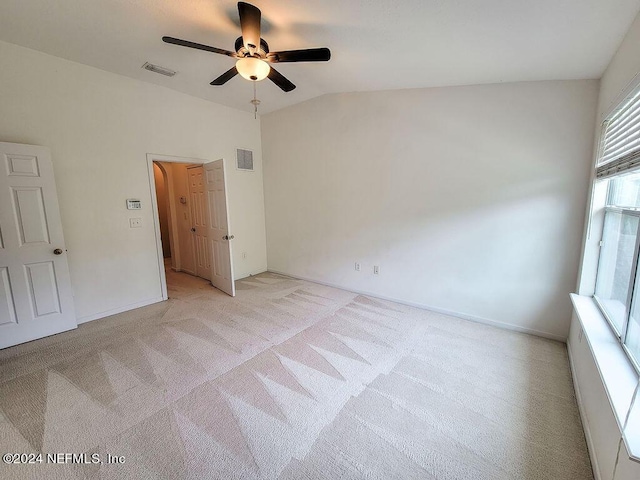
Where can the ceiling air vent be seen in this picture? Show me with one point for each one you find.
(157, 69)
(244, 159)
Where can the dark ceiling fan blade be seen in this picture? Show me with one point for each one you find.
(250, 24)
(225, 77)
(199, 46)
(280, 80)
(308, 55)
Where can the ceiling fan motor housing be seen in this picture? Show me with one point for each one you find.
(243, 52)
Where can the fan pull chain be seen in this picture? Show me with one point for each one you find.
(255, 102)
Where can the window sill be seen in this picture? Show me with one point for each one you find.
(618, 375)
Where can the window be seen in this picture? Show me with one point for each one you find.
(617, 290)
(618, 263)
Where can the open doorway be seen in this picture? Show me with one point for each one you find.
(190, 213)
(162, 201)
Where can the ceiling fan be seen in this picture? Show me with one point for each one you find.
(254, 58)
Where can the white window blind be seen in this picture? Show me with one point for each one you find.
(620, 148)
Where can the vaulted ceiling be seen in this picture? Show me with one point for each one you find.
(375, 44)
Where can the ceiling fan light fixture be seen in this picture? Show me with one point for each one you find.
(253, 68)
(253, 58)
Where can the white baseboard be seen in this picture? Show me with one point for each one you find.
(252, 274)
(114, 311)
(583, 418)
(464, 316)
(132, 306)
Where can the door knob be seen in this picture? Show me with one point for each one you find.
(193, 229)
(228, 237)
(57, 251)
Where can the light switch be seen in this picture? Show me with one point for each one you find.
(135, 222)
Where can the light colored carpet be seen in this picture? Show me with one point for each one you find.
(291, 380)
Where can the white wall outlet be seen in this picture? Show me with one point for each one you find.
(135, 222)
(357, 267)
(376, 270)
(244, 255)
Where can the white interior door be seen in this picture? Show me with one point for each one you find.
(199, 229)
(219, 236)
(36, 299)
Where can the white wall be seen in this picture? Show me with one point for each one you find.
(470, 199)
(100, 126)
(600, 424)
(622, 72)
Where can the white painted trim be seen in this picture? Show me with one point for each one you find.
(175, 159)
(616, 371)
(133, 306)
(115, 311)
(151, 157)
(617, 374)
(583, 417)
(249, 275)
(464, 316)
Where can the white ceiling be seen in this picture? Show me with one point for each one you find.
(375, 44)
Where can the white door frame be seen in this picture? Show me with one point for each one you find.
(151, 157)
